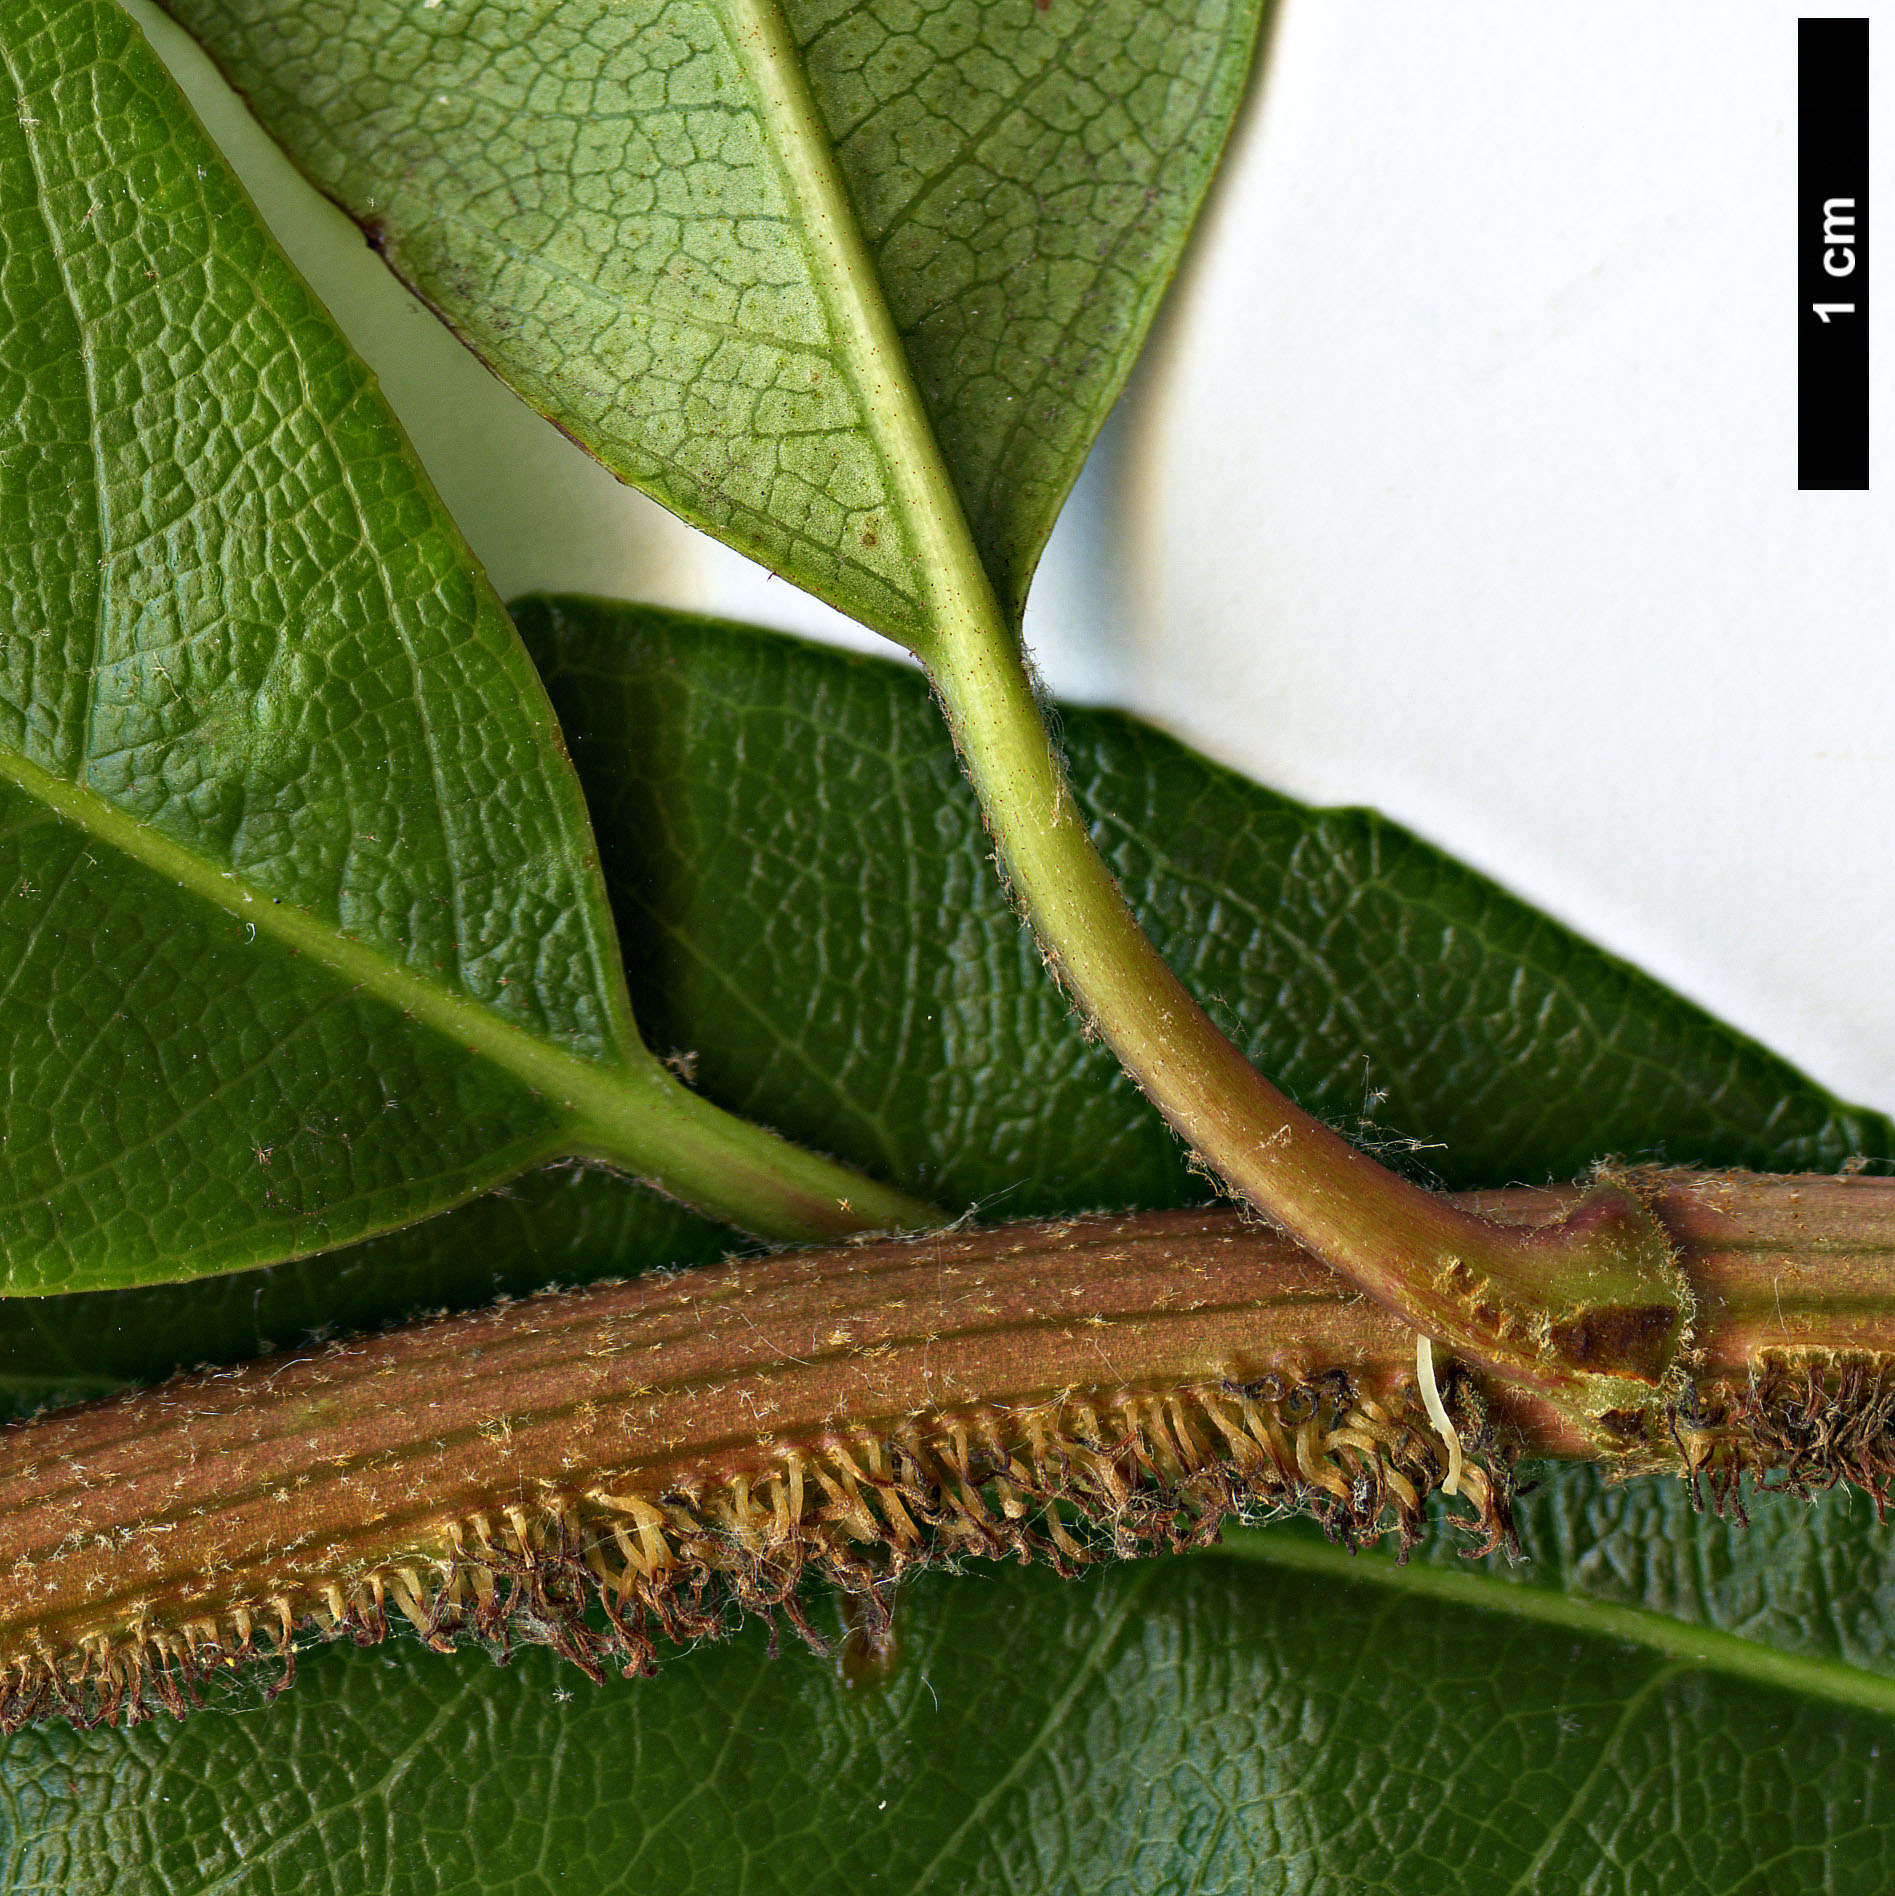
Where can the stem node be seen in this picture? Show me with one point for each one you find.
(1592, 1312)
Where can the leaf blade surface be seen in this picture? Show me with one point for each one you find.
(781, 824)
(237, 622)
(310, 938)
(615, 210)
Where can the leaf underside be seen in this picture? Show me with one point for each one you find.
(1224, 1723)
(600, 199)
(288, 845)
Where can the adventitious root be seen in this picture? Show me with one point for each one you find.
(606, 1576)
(1806, 1422)
(603, 1470)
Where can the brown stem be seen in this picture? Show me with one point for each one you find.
(1591, 1305)
(1065, 1389)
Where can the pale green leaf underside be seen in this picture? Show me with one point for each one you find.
(611, 201)
(300, 919)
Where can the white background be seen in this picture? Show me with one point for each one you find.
(1460, 481)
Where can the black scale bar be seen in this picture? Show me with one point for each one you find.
(1832, 233)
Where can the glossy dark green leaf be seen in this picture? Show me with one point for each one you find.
(1808, 1580)
(616, 207)
(811, 910)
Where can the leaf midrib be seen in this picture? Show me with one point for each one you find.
(1703, 1647)
(958, 596)
(581, 1088)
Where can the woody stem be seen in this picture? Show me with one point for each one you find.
(284, 1484)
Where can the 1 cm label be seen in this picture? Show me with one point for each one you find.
(1839, 256)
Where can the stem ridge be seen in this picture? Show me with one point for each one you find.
(601, 1470)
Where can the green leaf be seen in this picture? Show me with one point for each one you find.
(1276, 1718)
(749, 257)
(1272, 1719)
(305, 931)
(783, 823)
(275, 776)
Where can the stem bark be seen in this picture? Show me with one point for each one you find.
(289, 1481)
